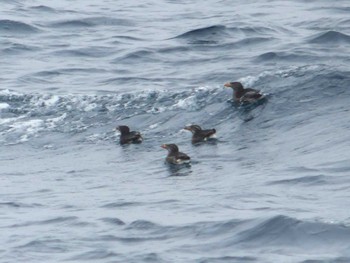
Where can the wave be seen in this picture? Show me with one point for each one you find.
(18, 205)
(10, 26)
(122, 204)
(273, 231)
(253, 41)
(330, 37)
(113, 221)
(219, 34)
(90, 22)
(285, 56)
(45, 245)
(339, 166)
(278, 230)
(243, 43)
(17, 48)
(93, 52)
(344, 23)
(43, 8)
(57, 220)
(72, 24)
(229, 259)
(203, 32)
(150, 257)
(305, 180)
(95, 254)
(138, 56)
(143, 224)
(260, 30)
(25, 116)
(221, 30)
(206, 35)
(328, 260)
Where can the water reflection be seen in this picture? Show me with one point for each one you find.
(179, 169)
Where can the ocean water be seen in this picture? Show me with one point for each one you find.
(274, 187)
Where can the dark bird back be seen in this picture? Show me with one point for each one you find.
(200, 135)
(127, 136)
(174, 155)
(244, 95)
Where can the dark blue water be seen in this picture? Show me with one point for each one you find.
(274, 187)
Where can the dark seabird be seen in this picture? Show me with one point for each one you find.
(174, 156)
(127, 136)
(200, 135)
(243, 95)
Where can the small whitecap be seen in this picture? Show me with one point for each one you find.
(48, 146)
(7, 120)
(202, 88)
(52, 100)
(30, 127)
(90, 106)
(27, 124)
(157, 110)
(46, 100)
(183, 131)
(284, 73)
(9, 93)
(249, 80)
(51, 123)
(93, 137)
(23, 138)
(189, 102)
(152, 126)
(34, 126)
(4, 106)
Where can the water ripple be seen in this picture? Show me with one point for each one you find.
(305, 180)
(57, 220)
(16, 27)
(330, 37)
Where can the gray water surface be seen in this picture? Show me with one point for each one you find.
(273, 187)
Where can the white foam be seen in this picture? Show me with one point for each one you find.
(186, 103)
(7, 120)
(53, 100)
(94, 137)
(29, 127)
(4, 106)
(51, 123)
(157, 109)
(154, 125)
(9, 92)
(90, 106)
(249, 80)
(284, 73)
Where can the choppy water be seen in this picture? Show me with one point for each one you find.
(271, 189)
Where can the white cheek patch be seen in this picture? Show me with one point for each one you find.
(213, 135)
(179, 161)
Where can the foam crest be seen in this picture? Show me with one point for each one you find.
(25, 116)
(282, 73)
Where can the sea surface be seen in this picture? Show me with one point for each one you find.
(273, 187)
